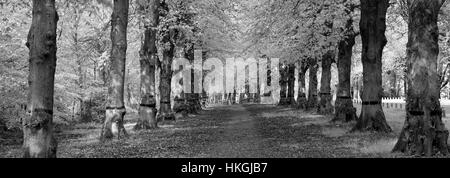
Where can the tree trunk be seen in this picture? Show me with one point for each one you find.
(424, 133)
(182, 98)
(148, 57)
(291, 84)
(193, 98)
(301, 98)
(284, 78)
(165, 112)
(38, 138)
(344, 110)
(115, 110)
(86, 110)
(373, 28)
(312, 91)
(325, 107)
(166, 44)
(392, 78)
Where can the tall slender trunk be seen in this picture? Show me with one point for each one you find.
(291, 84)
(325, 107)
(115, 110)
(373, 28)
(148, 57)
(166, 44)
(312, 91)
(424, 133)
(284, 78)
(181, 98)
(301, 98)
(165, 112)
(258, 84)
(38, 138)
(392, 78)
(344, 110)
(193, 98)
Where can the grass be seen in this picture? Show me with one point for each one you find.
(338, 136)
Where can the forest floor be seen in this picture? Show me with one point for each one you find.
(239, 131)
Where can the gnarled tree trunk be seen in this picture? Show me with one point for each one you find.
(424, 133)
(115, 110)
(38, 138)
(148, 57)
(344, 110)
(325, 107)
(373, 28)
(312, 91)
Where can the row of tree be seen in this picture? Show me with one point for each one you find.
(167, 28)
(304, 32)
(321, 39)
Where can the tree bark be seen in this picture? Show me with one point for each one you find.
(148, 57)
(181, 100)
(38, 138)
(312, 91)
(193, 98)
(301, 98)
(424, 133)
(325, 107)
(392, 78)
(344, 110)
(291, 84)
(167, 47)
(373, 28)
(166, 112)
(284, 78)
(115, 110)
(86, 110)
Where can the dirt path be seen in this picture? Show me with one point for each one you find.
(263, 131)
(237, 137)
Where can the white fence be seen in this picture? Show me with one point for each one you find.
(400, 102)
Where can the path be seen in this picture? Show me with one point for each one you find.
(238, 137)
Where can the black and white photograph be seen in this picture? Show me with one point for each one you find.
(224, 79)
